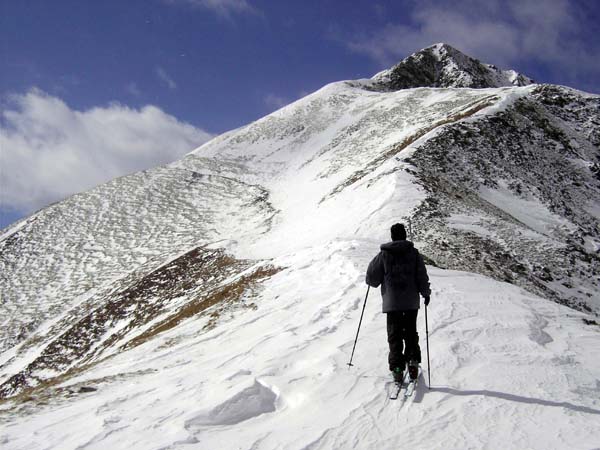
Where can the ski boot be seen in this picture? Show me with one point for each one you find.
(398, 374)
(413, 370)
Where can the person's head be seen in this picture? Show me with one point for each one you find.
(398, 232)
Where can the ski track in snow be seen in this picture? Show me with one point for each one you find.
(507, 372)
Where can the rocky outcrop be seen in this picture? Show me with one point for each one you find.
(443, 66)
(513, 195)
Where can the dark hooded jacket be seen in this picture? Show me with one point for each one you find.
(401, 272)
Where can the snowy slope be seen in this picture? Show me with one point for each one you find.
(333, 159)
(322, 168)
(509, 370)
(213, 302)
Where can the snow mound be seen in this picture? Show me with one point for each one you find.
(251, 402)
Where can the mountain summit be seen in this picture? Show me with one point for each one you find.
(441, 65)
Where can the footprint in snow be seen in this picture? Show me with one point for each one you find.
(239, 373)
(537, 331)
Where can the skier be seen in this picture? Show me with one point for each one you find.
(401, 272)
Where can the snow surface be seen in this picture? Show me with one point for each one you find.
(530, 212)
(340, 130)
(312, 188)
(469, 223)
(508, 370)
(262, 191)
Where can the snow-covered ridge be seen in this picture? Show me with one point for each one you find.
(330, 165)
(525, 177)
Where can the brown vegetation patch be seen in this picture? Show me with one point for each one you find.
(223, 296)
(201, 274)
(48, 392)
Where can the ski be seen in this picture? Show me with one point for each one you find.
(398, 388)
(411, 387)
(407, 387)
(396, 391)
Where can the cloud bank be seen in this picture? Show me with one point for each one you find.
(500, 32)
(49, 151)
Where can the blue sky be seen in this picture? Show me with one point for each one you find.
(90, 90)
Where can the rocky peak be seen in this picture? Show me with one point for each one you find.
(441, 65)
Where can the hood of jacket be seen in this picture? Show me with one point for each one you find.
(397, 246)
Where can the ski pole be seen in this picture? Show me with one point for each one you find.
(357, 331)
(427, 336)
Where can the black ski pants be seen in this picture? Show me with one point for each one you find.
(403, 338)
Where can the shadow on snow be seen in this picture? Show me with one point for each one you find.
(516, 398)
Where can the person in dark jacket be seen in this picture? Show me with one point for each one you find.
(401, 272)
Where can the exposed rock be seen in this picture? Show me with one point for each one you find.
(443, 66)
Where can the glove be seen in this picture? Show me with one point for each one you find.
(427, 300)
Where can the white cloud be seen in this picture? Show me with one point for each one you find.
(224, 8)
(49, 151)
(499, 32)
(133, 89)
(165, 78)
(275, 101)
